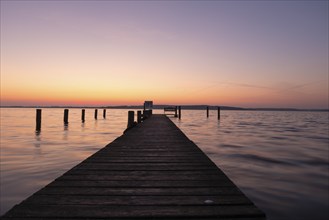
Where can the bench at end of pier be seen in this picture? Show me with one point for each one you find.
(170, 110)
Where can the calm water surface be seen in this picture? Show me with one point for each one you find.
(279, 159)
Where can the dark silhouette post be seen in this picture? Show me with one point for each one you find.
(131, 115)
(139, 116)
(66, 116)
(83, 115)
(176, 112)
(96, 114)
(104, 113)
(38, 120)
(218, 113)
(179, 112)
(207, 111)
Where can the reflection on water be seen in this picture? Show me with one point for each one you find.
(31, 159)
(37, 143)
(279, 159)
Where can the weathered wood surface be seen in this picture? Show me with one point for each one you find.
(152, 172)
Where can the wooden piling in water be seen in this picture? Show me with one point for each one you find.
(207, 111)
(95, 116)
(179, 112)
(66, 116)
(38, 120)
(176, 112)
(83, 115)
(218, 113)
(104, 113)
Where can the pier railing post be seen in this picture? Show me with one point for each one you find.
(38, 120)
(218, 113)
(139, 116)
(66, 116)
(104, 113)
(83, 115)
(131, 115)
(176, 112)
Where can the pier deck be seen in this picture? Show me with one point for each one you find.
(153, 171)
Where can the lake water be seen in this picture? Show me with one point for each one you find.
(278, 159)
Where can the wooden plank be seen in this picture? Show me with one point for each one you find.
(139, 183)
(134, 218)
(149, 173)
(139, 191)
(136, 178)
(105, 211)
(137, 200)
(146, 159)
(152, 154)
(143, 167)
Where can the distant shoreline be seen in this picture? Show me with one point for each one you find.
(186, 107)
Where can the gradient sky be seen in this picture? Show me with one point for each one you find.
(240, 53)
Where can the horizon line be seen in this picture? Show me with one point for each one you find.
(159, 106)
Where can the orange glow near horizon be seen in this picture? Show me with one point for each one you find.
(235, 96)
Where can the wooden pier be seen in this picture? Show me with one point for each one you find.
(153, 171)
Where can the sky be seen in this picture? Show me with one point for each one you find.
(233, 53)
